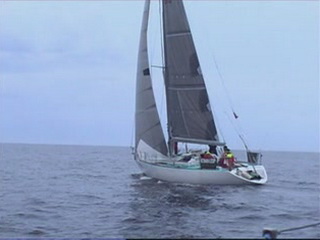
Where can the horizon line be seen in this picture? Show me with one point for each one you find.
(127, 146)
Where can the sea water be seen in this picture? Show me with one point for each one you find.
(51, 191)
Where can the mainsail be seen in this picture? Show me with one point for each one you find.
(190, 117)
(148, 128)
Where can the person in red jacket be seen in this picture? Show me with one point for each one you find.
(227, 160)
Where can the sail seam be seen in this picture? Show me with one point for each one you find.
(151, 109)
(151, 106)
(186, 88)
(178, 34)
(145, 90)
(183, 117)
(147, 130)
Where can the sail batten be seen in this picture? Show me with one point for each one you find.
(148, 128)
(178, 34)
(188, 109)
(187, 88)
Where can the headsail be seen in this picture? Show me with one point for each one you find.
(147, 122)
(190, 117)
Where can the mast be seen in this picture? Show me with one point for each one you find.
(165, 75)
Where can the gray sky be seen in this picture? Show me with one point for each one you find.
(67, 70)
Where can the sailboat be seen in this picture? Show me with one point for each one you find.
(189, 115)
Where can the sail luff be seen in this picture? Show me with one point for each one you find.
(148, 131)
(188, 107)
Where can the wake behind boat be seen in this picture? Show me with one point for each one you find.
(189, 115)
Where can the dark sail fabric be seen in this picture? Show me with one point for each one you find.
(147, 122)
(189, 111)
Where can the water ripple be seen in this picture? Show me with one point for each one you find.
(98, 192)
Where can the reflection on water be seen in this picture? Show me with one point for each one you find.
(177, 210)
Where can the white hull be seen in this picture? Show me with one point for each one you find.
(202, 176)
